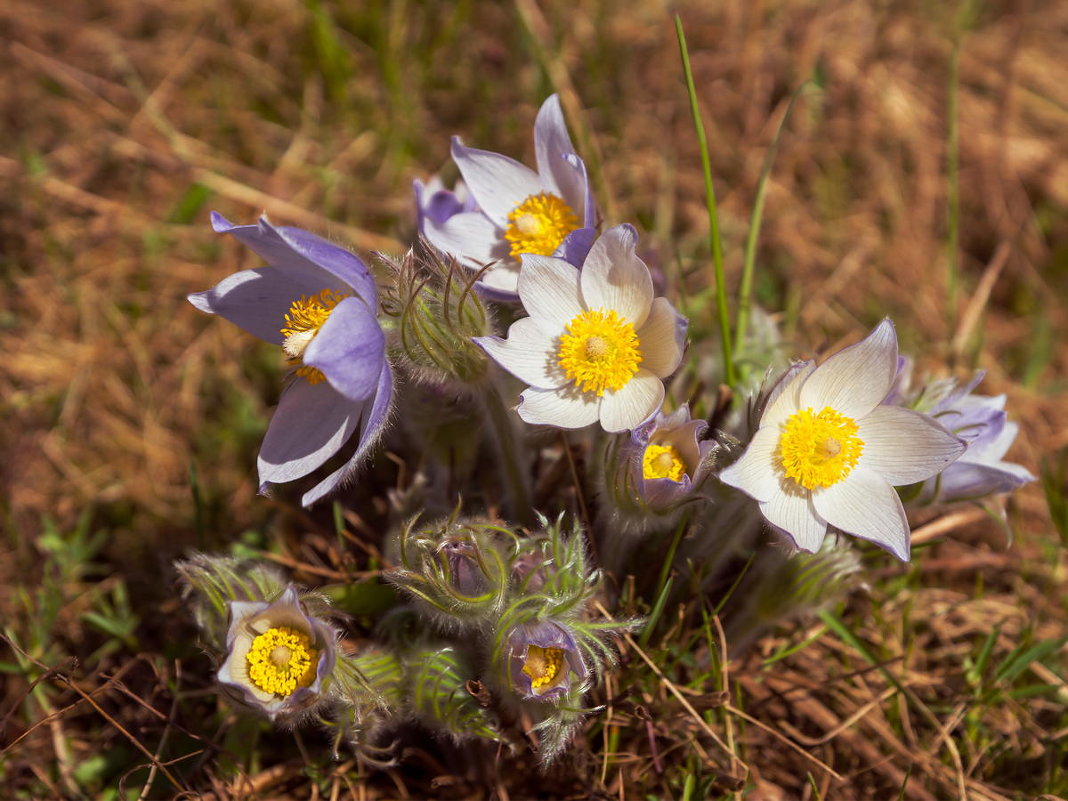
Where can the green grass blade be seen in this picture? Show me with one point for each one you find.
(713, 217)
(745, 290)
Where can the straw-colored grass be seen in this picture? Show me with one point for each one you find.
(123, 407)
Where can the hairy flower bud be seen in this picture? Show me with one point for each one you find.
(456, 569)
(438, 312)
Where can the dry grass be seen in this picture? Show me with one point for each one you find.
(124, 123)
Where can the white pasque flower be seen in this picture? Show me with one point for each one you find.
(596, 345)
(828, 452)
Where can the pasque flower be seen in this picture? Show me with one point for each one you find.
(828, 452)
(317, 302)
(277, 656)
(596, 345)
(518, 211)
(981, 470)
(544, 660)
(668, 457)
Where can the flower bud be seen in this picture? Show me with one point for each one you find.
(456, 569)
(438, 312)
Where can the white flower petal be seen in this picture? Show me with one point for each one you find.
(469, 236)
(633, 404)
(866, 506)
(501, 281)
(551, 145)
(563, 408)
(783, 400)
(549, 291)
(856, 379)
(613, 277)
(528, 353)
(497, 183)
(791, 510)
(904, 446)
(662, 338)
(756, 472)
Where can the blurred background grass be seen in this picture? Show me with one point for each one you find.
(130, 423)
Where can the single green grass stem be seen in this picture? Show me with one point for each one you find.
(713, 217)
(745, 289)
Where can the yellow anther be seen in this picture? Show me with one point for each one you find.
(819, 450)
(544, 666)
(599, 351)
(539, 224)
(281, 659)
(663, 461)
(303, 321)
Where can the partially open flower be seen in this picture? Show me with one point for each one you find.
(829, 452)
(668, 459)
(544, 660)
(597, 344)
(278, 657)
(318, 303)
(549, 212)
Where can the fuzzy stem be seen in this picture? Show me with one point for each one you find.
(509, 455)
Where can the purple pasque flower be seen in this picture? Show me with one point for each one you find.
(982, 423)
(828, 451)
(543, 660)
(277, 656)
(434, 202)
(318, 303)
(550, 212)
(668, 458)
(597, 344)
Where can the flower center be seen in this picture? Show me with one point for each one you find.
(544, 666)
(281, 659)
(819, 450)
(303, 321)
(539, 224)
(599, 351)
(663, 461)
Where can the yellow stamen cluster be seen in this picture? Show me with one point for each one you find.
(539, 224)
(544, 666)
(663, 461)
(303, 321)
(819, 450)
(281, 659)
(599, 351)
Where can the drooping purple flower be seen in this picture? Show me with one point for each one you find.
(982, 423)
(667, 458)
(550, 212)
(317, 302)
(543, 660)
(277, 656)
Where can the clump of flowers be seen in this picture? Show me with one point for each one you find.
(488, 624)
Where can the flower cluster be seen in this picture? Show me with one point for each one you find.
(515, 313)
